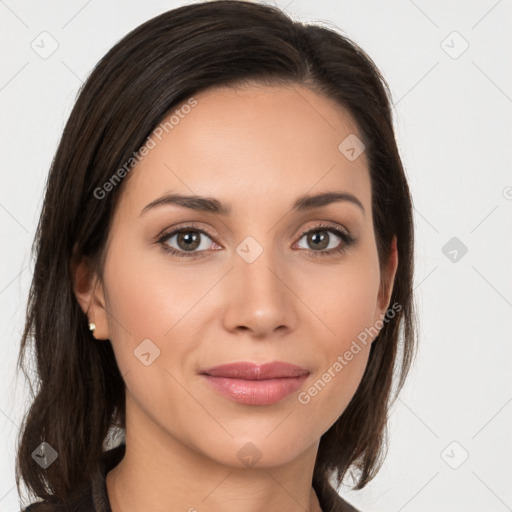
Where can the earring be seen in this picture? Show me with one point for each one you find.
(92, 326)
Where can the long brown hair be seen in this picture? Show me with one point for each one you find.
(80, 397)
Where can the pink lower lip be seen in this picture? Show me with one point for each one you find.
(256, 392)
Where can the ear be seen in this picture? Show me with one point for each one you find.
(388, 278)
(89, 293)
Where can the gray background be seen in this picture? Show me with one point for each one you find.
(453, 120)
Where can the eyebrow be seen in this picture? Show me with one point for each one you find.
(209, 204)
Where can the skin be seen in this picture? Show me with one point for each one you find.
(257, 148)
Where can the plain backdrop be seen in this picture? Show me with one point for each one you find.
(450, 71)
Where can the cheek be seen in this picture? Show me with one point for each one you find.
(151, 330)
(344, 298)
(343, 356)
(346, 306)
(146, 304)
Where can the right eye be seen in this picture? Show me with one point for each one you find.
(187, 240)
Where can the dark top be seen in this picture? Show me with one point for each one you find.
(95, 497)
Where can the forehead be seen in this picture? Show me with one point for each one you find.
(250, 146)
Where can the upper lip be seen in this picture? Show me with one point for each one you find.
(252, 371)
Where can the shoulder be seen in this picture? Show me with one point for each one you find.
(331, 501)
(44, 506)
(79, 505)
(341, 505)
(92, 497)
(34, 507)
(47, 506)
(78, 500)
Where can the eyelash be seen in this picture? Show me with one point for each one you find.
(347, 239)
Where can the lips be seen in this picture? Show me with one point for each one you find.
(251, 384)
(252, 371)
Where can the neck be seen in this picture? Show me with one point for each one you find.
(158, 471)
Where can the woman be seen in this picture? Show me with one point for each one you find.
(224, 273)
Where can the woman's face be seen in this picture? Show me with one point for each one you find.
(251, 284)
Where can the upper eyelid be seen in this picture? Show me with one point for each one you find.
(167, 233)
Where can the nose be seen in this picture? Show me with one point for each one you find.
(259, 297)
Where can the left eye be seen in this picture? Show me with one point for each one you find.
(322, 241)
